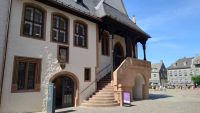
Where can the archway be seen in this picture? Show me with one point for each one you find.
(118, 55)
(138, 88)
(66, 90)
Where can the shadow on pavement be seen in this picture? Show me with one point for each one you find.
(128, 105)
(158, 96)
(67, 111)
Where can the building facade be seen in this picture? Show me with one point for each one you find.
(196, 66)
(71, 44)
(158, 74)
(180, 72)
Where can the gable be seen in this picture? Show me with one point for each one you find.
(117, 4)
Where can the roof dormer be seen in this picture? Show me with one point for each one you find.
(79, 1)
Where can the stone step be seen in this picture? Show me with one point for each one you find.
(100, 101)
(87, 104)
(106, 87)
(102, 98)
(106, 93)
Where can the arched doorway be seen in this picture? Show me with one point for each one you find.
(64, 92)
(118, 55)
(138, 88)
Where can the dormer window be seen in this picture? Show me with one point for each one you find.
(79, 1)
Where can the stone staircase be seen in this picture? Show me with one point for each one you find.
(104, 97)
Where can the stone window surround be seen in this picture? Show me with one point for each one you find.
(67, 30)
(35, 6)
(74, 28)
(87, 68)
(37, 83)
(44, 26)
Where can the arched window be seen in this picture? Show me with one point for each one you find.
(33, 22)
(80, 34)
(105, 44)
(59, 29)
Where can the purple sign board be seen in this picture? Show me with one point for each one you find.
(127, 97)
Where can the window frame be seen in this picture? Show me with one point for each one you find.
(105, 42)
(67, 27)
(37, 82)
(89, 74)
(43, 27)
(58, 54)
(74, 32)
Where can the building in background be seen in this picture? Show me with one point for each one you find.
(158, 74)
(180, 72)
(196, 66)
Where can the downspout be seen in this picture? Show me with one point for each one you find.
(5, 47)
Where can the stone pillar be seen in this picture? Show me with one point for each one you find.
(134, 44)
(145, 91)
(144, 50)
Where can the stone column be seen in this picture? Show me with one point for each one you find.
(144, 50)
(134, 44)
(145, 91)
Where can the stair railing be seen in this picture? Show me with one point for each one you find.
(99, 75)
(103, 72)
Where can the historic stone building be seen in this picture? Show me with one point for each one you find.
(180, 72)
(158, 74)
(78, 46)
(196, 66)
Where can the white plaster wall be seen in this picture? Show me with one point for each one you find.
(47, 51)
(4, 7)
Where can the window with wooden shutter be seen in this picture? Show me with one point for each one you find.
(26, 74)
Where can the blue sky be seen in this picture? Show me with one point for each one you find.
(174, 26)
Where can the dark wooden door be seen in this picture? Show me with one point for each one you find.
(67, 92)
(118, 55)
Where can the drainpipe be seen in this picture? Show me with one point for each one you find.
(5, 47)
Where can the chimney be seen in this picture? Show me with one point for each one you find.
(134, 20)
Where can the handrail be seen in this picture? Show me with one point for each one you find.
(106, 67)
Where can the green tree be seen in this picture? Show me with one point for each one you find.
(196, 79)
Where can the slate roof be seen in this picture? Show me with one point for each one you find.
(196, 60)
(119, 16)
(156, 67)
(89, 7)
(181, 64)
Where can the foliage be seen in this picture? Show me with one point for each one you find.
(196, 79)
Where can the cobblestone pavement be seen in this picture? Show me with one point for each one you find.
(170, 101)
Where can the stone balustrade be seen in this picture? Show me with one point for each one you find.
(124, 76)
